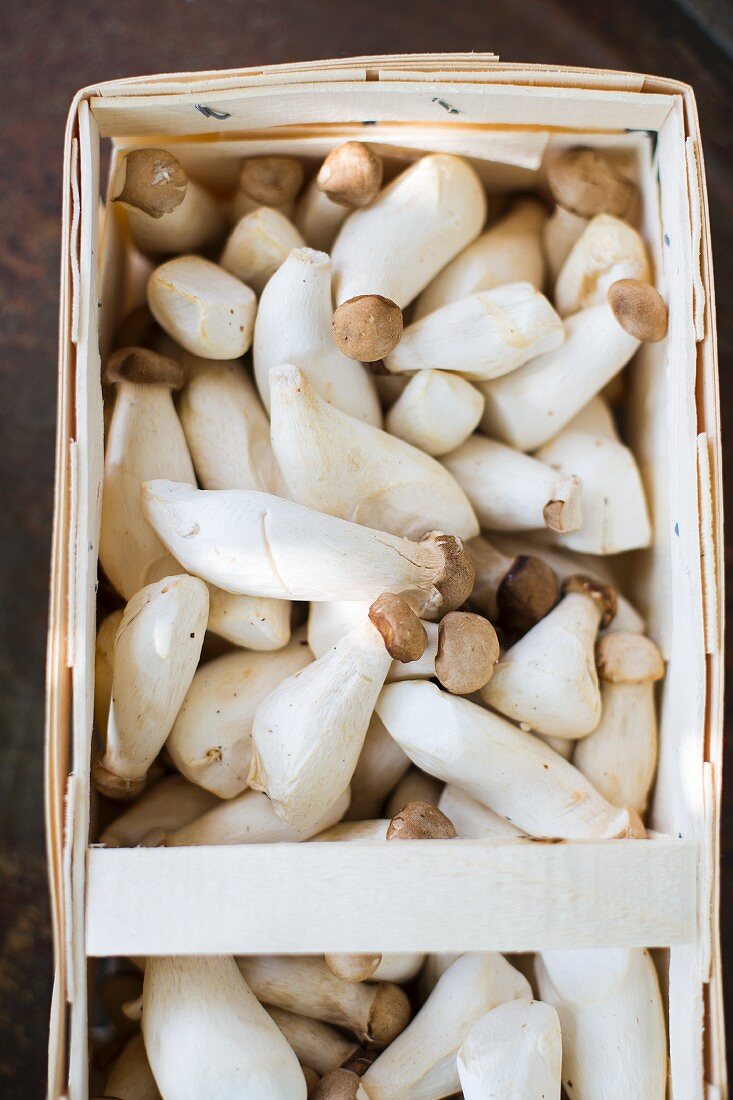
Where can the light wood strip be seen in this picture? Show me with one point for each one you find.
(342, 897)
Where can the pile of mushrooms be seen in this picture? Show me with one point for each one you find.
(363, 483)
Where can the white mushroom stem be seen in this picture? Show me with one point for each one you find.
(415, 786)
(316, 1044)
(207, 1035)
(512, 772)
(399, 967)
(595, 417)
(511, 491)
(145, 440)
(615, 513)
(336, 464)
(608, 249)
(104, 651)
(433, 968)
(329, 621)
(565, 564)
(294, 326)
(254, 622)
(375, 1013)
(261, 545)
(619, 757)
(561, 746)
(242, 204)
(515, 589)
(547, 680)
(166, 210)
(202, 307)
(421, 1063)
(257, 245)
(157, 648)
(381, 765)
(247, 819)
(485, 336)
(560, 232)
(512, 1053)
(168, 805)
(509, 252)
(530, 405)
(319, 218)
(608, 1000)
(308, 732)
(226, 428)
(414, 227)
(473, 820)
(437, 411)
(211, 740)
(131, 1077)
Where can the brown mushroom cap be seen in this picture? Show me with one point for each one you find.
(625, 658)
(352, 968)
(421, 821)
(339, 1084)
(528, 590)
(639, 308)
(404, 635)
(145, 367)
(603, 594)
(585, 184)
(273, 181)
(155, 182)
(351, 175)
(367, 327)
(456, 579)
(468, 650)
(114, 786)
(389, 1014)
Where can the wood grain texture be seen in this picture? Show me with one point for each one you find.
(54, 46)
(450, 895)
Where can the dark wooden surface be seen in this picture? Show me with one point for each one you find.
(52, 47)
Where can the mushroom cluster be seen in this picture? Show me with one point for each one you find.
(363, 476)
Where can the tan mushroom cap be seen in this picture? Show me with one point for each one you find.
(468, 650)
(389, 1014)
(603, 594)
(115, 786)
(273, 181)
(584, 183)
(154, 182)
(421, 821)
(352, 968)
(404, 635)
(351, 175)
(367, 327)
(639, 308)
(339, 1084)
(144, 367)
(527, 592)
(624, 658)
(457, 577)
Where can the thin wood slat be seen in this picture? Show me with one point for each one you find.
(347, 896)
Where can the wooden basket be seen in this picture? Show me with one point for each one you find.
(463, 895)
